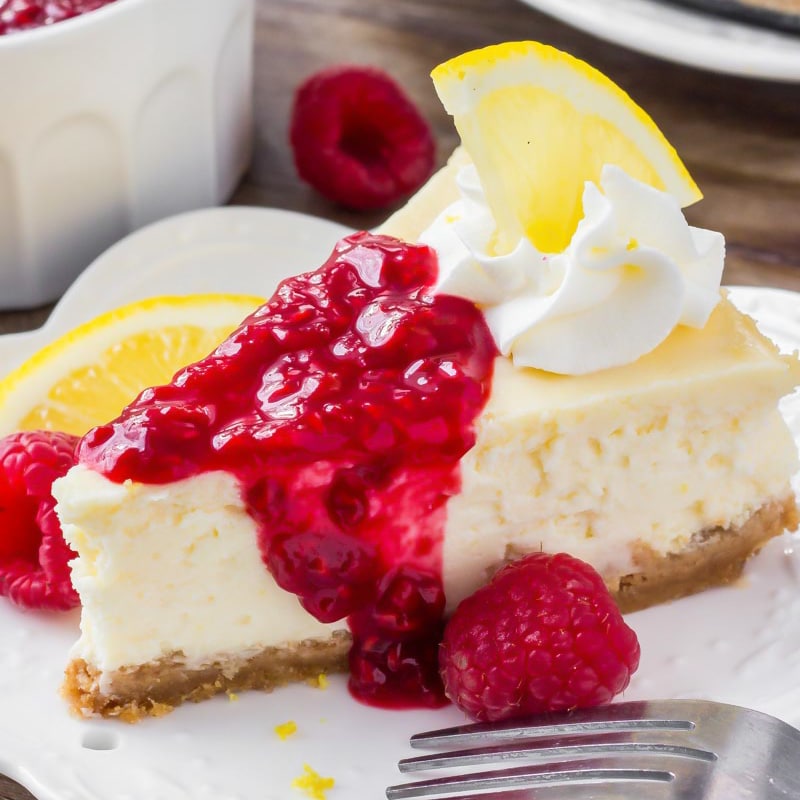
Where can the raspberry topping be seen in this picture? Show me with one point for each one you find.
(33, 553)
(543, 635)
(20, 15)
(358, 139)
(343, 407)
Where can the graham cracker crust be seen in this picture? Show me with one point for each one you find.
(714, 557)
(156, 688)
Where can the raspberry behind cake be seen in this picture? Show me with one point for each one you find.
(358, 449)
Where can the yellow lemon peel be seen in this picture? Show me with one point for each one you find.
(312, 784)
(538, 123)
(286, 729)
(320, 682)
(87, 376)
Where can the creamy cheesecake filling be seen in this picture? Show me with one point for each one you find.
(172, 569)
(687, 439)
(602, 466)
(600, 482)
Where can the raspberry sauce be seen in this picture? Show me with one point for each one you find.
(20, 15)
(343, 406)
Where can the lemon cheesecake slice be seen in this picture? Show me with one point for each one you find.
(533, 355)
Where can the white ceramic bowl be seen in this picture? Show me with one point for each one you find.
(112, 120)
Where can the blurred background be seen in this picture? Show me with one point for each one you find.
(739, 136)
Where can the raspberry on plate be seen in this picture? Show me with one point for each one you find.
(358, 139)
(543, 635)
(34, 557)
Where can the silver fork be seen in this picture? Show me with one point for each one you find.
(658, 750)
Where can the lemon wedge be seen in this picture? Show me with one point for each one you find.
(87, 376)
(538, 123)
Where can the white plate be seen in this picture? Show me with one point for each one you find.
(683, 35)
(740, 645)
(234, 249)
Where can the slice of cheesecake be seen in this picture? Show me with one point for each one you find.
(635, 469)
(359, 456)
(665, 474)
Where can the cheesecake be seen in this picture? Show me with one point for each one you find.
(666, 475)
(373, 443)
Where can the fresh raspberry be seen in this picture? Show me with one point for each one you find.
(33, 553)
(358, 139)
(543, 635)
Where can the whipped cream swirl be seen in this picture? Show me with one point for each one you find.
(632, 272)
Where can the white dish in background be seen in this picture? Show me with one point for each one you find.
(684, 36)
(739, 644)
(112, 120)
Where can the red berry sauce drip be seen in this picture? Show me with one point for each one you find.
(343, 406)
(20, 15)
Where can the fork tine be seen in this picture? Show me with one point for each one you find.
(661, 750)
(593, 791)
(632, 790)
(635, 716)
(556, 749)
(606, 771)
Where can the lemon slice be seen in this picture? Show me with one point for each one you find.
(538, 123)
(87, 376)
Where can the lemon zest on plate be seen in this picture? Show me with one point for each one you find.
(312, 784)
(286, 729)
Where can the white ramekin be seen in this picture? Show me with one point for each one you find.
(112, 120)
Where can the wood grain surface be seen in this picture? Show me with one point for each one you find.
(739, 138)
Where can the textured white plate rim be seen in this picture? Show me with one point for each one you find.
(684, 35)
(228, 750)
(245, 238)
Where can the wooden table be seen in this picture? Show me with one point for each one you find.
(739, 138)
